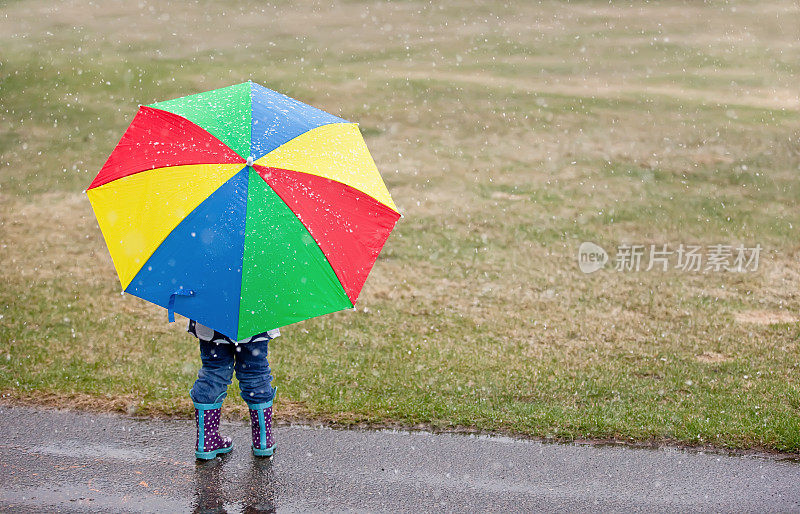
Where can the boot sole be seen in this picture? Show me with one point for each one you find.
(212, 454)
(258, 452)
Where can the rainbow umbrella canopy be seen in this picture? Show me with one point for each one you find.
(242, 208)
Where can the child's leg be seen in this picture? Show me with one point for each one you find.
(252, 370)
(253, 373)
(208, 391)
(215, 376)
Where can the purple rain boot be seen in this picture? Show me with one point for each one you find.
(209, 442)
(261, 423)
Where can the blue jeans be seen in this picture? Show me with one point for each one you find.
(219, 362)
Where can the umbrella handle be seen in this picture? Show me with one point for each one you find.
(171, 305)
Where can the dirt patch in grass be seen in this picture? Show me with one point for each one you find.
(783, 98)
(759, 317)
(712, 357)
(285, 411)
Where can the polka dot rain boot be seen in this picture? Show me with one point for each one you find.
(209, 442)
(261, 423)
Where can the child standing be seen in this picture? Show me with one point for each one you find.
(221, 357)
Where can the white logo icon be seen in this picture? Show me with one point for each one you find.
(591, 257)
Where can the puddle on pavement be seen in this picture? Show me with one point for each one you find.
(220, 485)
(257, 493)
(95, 451)
(84, 498)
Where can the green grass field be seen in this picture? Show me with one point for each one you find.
(507, 135)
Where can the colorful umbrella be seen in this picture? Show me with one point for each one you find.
(242, 208)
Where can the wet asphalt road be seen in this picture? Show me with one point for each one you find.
(59, 461)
